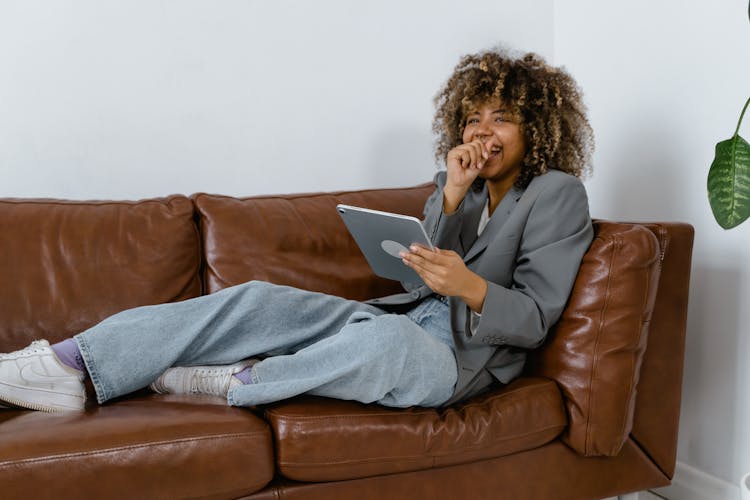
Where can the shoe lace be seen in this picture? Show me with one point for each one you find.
(33, 348)
(211, 381)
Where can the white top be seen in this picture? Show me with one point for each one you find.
(483, 220)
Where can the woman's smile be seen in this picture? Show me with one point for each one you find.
(502, 137)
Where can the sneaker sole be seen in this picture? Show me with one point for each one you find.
(69, 403)
(14, 404)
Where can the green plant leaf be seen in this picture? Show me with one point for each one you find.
(729, 182)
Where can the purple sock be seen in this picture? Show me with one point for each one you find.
(245, 376)
(68, 352)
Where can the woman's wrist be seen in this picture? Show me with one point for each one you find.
(475, 293)
(452, 198)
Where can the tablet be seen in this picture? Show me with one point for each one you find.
(381, 236)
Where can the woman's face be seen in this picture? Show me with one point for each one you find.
(491, 123)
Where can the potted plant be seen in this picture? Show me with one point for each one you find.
(729, 178)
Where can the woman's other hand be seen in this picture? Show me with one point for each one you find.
(445, 273)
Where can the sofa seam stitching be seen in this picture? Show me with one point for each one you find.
(434, 456)
(534, 388)
(631, 389)
(104, 451)
(590, 399)
(294, 196)
(165, 201)
(643, 322)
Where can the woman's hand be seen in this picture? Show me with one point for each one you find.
(445, 273)
(464, 163)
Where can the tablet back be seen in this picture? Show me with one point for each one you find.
(381, 236)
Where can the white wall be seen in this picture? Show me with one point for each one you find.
(664, 82)
(138, 98)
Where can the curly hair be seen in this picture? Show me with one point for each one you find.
(543, 99)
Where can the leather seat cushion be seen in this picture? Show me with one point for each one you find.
(150, 446)
(319, 439)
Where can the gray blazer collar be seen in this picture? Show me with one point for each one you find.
(472, 244)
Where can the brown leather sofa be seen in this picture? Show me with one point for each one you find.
(595, 414)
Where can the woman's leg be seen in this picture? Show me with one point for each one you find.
(385, 358)
(131, 349)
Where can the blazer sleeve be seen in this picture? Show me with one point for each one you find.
(557, 233)
(442, 229)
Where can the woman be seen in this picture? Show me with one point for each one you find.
(510, 221)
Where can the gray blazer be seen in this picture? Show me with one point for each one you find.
(529, 253)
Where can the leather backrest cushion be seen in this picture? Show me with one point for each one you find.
(596, 349)
(296, 240)
(67, 265)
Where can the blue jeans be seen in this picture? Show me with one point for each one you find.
(310, 343)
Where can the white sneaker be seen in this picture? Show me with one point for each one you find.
(215, 380)
(36, 379)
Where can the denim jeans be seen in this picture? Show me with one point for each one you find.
(309, 343)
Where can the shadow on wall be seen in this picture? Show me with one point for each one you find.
(711, 369)
(401, 156)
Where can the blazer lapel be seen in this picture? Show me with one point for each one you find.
(497, 220)
(474, 208)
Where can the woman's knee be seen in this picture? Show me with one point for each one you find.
(254, 284)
